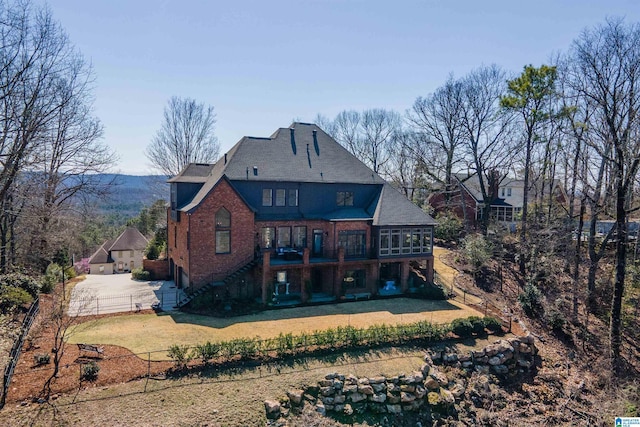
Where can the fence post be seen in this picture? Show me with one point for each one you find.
(130, 302)
(97, 305)
(148, 370)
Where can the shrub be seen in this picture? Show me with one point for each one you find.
(11, 298)
(207, 351)
(492, 324)
(432, 292)
(69, 273)
(477, 251)
(477, 324)
(449, 227)
(530, 299)
(555, 319)
(89, 371)
(42, 358)
(462, 328)
(180, 355)
(153, 251)
(22, 281)
(140, 274)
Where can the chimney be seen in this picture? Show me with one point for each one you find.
(225, 158)
(255, 171)
(293, 140)
(315, 142)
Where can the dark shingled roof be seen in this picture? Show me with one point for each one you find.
(101, 256)
(294, 155)
(130, 239)
(393, 208)
(279, 159)
(194, 172)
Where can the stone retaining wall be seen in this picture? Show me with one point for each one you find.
(348, 394)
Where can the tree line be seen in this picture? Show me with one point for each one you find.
(574, 121)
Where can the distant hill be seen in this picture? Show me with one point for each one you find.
(130, 193)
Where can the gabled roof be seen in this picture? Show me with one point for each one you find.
(129, 239)
(472, 184)
(102, 256)
(290, 154)
(393, 208)
(194, 172)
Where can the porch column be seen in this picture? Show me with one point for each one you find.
(266, 276)
(404, 280)
(373, 276)
(306, 279)
(429, 270)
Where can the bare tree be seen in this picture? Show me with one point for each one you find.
(487, 132)
(606, 71)
(436, 121)
(185, 136)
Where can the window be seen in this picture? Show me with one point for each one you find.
(223, 232)
(281, 193)
(344, 198)
(384, 242)
(268, 236)
(353, 279)
(131, 254)
(353, 242)
(267, 199)
(293, 197)
(299, 237)
(509, 192)
(502, 192)
(405, 241)
(284, 237)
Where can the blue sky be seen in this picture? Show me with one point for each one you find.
(262, 64)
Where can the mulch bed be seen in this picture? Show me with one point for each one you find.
(117, 364)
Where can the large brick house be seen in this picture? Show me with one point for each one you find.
(507, 199)
(294, 214)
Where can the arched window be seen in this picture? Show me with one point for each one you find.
(223, 231)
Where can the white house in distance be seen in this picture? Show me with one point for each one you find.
(119, 255)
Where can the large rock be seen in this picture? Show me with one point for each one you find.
(379, 398)
(295, 396)
(393, 399)
(447, 397)
(407, 397)
(501, 369)
(321, 409)
(357, 397)
(420, 391)
(339, 398)
(350, 388)
(377, 380)
(326, 391)
(365, 389)
(431, 384)
(394, 409)
(379, 387)
(348, 410)
(272, 408)
(440, 377)
(325, 383)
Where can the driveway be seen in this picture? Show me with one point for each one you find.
(115, 293)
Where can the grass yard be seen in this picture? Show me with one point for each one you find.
(141, 333)
(232, 398)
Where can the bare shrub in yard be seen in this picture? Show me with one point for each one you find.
(89, 371)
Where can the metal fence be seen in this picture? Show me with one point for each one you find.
(103, 304)
(17, 348)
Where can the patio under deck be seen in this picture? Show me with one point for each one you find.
(294, 299)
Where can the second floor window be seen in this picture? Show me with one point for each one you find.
(344, 198)
(353, 242)
(280, 197)
(293, 197)
(267, 197)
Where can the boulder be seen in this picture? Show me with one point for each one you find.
(357, 397)
(295, 396)
(331, 376)
(431, 384)
(450, 358)
(377, 380)
(326, 391)
(407, 397)
(379, 398)
(447, 397)
(325, 383)
(393, 399)
(339, 398)
(321, 409)
(365, 389)
(349, 388)
(420, 391)
(379, 387)
(272, 408)
(501, 369)
(348, 410)
(408, 388)
(394, 409)
(525, 363)
(457, 391)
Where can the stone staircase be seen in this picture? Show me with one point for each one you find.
(211, 285)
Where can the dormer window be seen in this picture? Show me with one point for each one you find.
(344, 198)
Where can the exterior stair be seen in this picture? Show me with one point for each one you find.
(211, 285)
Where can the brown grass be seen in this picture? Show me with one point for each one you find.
(150, 332)
(231, 398)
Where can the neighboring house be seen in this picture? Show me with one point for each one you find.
(119, 255)
(294, 214)
(466, 200)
